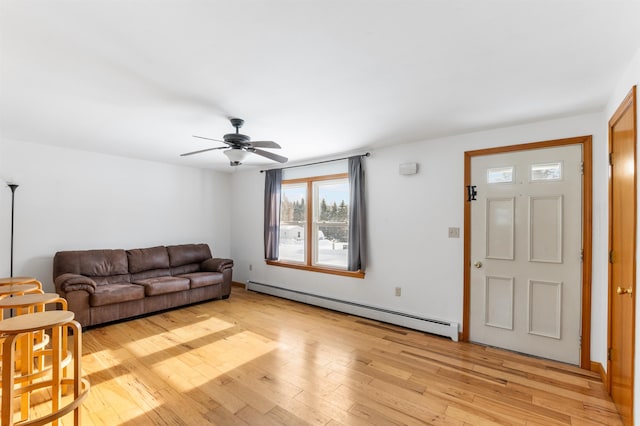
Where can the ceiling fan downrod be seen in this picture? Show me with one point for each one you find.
(237, 123)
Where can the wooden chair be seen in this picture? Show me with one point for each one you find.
(53, 376)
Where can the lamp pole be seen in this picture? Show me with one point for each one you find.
(13, 187)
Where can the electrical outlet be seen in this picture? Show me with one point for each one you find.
(398, 291)
(454, 232)
(250, 267)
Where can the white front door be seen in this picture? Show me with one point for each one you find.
(526, 252)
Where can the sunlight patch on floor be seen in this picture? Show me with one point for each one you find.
(222, 356)
(177, 336)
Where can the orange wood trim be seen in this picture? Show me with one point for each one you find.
(627, 102)
(466, 294)
(587, 250)
(317, 178)
(610, 240)
(596, 367)
(308, 243)
(531, 145)
(238, 284)
(587, 188)
(342, 272)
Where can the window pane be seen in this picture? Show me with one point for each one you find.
(500, 175)
(331, 223)
(548, 171)
(293, 223)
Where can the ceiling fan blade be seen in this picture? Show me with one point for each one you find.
(203, 150)
(211, 139)
(264, 144)
(269, 155)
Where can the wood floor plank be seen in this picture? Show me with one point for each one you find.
(259, 360)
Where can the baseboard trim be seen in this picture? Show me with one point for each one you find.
(596, 367)
(238, 284)
(404, 319)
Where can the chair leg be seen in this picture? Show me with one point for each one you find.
(8, 361)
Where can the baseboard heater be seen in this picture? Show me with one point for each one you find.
(433, 326)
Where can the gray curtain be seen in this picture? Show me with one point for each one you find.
(357, 216)
(272, 189)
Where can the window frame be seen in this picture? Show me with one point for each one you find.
(309, 240)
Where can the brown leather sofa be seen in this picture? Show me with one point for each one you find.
(109, 285)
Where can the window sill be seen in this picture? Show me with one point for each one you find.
(324, 270)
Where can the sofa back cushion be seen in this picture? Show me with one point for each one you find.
(187, 254)
(186, 258)
(103, 266)
(147, 259)
(148, 263)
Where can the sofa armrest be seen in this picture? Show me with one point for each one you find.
(71, 282)
(216, 264)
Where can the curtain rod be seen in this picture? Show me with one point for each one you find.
(367, 154)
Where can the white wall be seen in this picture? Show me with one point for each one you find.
(69, 199)
(408, 221)
(627, 81)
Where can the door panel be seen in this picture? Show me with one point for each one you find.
(545, 232)
(526, 241)
(545, 308)
(500, 230)
(622, 274)
(499, 302)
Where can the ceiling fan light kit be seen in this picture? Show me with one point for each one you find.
(236, 156)
(241, 146)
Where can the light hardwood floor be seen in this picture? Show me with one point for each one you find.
(260, 360)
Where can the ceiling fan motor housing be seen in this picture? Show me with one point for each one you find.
(236, 138)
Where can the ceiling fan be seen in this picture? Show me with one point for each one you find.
(239, 146)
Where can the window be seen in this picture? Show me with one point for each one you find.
(317, 223)
(314, 224)
(545, 172)
(293, 223)
(500, 175)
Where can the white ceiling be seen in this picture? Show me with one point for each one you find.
(138, 78)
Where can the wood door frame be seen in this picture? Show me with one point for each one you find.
(628, 102)
(587, 201)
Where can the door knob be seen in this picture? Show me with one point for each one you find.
(621, 290)
(478, 264)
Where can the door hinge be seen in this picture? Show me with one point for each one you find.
(611, 158)
(609, 354)
(581, 255)
(611, 257)
(582, 167)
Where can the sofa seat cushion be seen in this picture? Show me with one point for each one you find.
(163, 285)
(203, 279)
(115, 293)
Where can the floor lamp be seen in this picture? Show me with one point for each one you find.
(13, 187)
